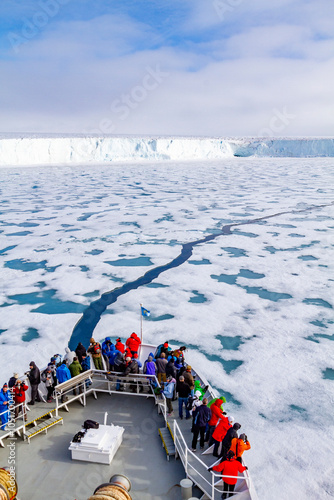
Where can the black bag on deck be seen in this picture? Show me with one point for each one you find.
(91, 424)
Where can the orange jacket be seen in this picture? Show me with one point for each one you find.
(221, 429)
(238, 446)
(216, 412)
(229, 468)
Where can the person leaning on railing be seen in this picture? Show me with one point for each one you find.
(229, 467)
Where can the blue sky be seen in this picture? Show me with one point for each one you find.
(218, 67)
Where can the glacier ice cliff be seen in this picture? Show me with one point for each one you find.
(55, 150)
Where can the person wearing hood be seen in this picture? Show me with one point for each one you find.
(112, 354)
(12, 380)
(229, 467)
(133, 343)
(69, 356)
(34, 377)
(239, 445)
(106, 345)
(170, 367)
(216, 414)
(4, 405)
(224, 424)
(80, 351)
(63, 374)
(150, 367)
(119, 345)
(227, 441)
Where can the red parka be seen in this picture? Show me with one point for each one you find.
(120, 346)
(229, 468)
(19, 393)
(216, 412)
(221, 429)
(133, 342)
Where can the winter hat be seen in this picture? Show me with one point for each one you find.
(119, 339)
(166, 344)
(231, 419)
(128, 358)
(4, 385)
(236, 426)
(16, 375)
(135, 355)
(243, 437)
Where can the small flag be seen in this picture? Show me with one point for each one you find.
(145, 312)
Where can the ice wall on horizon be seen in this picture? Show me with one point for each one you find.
(43, 150)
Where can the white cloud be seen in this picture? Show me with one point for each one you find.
(68, 77)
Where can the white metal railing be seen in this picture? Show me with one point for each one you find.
(196, 469)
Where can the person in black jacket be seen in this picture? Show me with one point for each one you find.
(80, 351)
(227, 441)
(184, 390)
(34, 377)
(131, 366)
(202, 415)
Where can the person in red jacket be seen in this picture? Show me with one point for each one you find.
(19, 390)
(220, 431)
(133, 343)
(229, 467)
(119, 345)
(216, 414)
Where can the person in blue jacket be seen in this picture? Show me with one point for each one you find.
(169, 392)
(106, 346)
(112, 354)
(63, 374)
(4, 404)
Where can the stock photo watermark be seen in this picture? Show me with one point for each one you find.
(47, 10)
(223, 7)
(279, 121)
(121, 107)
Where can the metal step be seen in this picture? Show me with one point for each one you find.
(167, 441)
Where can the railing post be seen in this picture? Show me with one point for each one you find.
(186, 461)
(213, 486)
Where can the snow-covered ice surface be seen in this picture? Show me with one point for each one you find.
(255, 307)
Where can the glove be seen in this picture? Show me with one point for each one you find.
(246, 439)
(210, 469)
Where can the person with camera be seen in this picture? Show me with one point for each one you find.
(239, 445)
(19, 391)
(34, 377)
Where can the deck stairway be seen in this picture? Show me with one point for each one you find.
(40, 424)
(167, 439)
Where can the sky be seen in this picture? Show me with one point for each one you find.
(193, 68)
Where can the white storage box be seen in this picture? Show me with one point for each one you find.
(98, 445)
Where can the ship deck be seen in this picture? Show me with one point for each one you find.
(45, 469)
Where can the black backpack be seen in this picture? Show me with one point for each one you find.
(91, 424)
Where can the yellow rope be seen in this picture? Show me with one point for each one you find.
(7, 489)
(111, 492)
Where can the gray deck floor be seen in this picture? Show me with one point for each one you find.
(45, 469)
